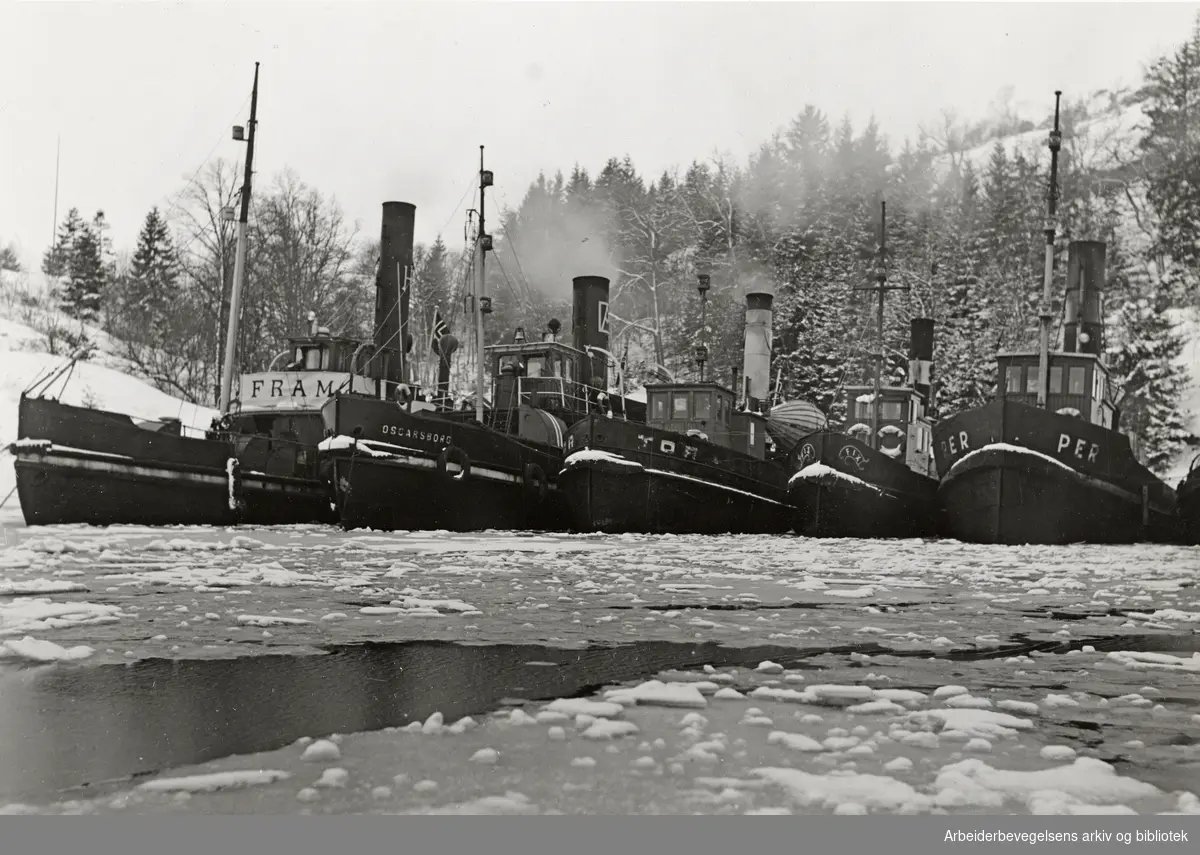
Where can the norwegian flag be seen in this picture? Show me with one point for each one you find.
(440, 328)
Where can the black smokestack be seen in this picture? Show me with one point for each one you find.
(391, 295)
(589, 324)
(920, 357)
(1083, 330)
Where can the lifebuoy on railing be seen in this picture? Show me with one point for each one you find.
(535, 482)
(454, 454)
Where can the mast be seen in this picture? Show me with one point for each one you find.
(239, 265)
(1046, 314)
(485, 243)
(882, 288)
(57, 160)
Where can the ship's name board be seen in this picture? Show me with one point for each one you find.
(289, 389)
(399, 432)
(1081, 448)
(956, 444)
(1066, 446)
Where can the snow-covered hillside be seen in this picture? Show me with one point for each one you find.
(99, 382)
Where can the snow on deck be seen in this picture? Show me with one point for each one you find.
(1011, 449)
(820, 471)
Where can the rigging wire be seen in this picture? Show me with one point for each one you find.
(207, 158)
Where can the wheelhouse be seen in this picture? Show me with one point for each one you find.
(1080, 385)
(905, 431)
(707, 411)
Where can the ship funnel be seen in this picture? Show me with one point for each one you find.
(920, 358)
(589, 325)
(1083, 330)
(756, 358)
(391, 293)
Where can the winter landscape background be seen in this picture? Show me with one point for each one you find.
(966, 205)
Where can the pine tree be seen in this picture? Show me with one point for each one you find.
(1171, 151)
(79, 257)
(80, 296)
(151, 288)
(56, 262)
(9, 259)
(1145, 356)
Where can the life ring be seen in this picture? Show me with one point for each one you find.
(535, 482)
(454, 454)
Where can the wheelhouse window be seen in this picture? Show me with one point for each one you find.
(1033, 376)
(1056, 373)
(1075, 380)
(703, 404)
(892, 410)
(1013, 375)
(534, 366)
(658, 407)
(679, 406)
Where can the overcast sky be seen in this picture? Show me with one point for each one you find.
(377, 101)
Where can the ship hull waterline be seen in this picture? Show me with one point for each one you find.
(622, 477)
(394, 469)
(77, 465)
(845, 488)
(1016, 474)
(657, 502)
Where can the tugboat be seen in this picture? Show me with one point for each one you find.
(875, 480)
(256, 465)
(1188, 497)
(1045, 463)
(698, 464)
(398, 462)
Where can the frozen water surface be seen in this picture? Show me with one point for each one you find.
(168, 670)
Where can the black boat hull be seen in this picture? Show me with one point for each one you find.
(1015, 474)
(845, 488)
(62, 486)
(81, 465)
(616, 483)
(392, 469)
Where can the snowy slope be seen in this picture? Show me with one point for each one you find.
(1093, 138)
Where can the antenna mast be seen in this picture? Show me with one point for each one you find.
(57, 160)
(239, 265)
(481, 302)
(1046, 314)
(882, 288)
